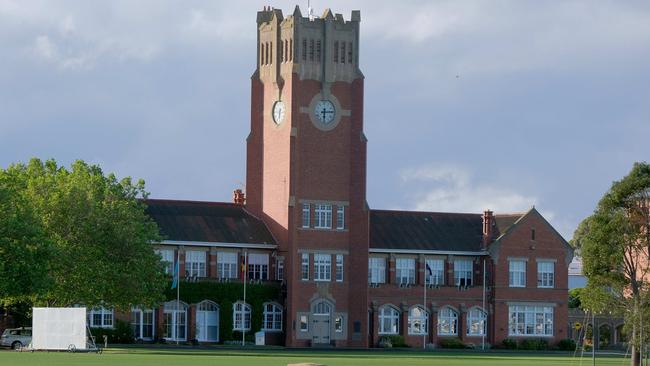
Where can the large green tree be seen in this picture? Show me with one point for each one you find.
(98, 234)
(615, 247)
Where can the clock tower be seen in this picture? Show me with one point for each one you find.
(306, 171)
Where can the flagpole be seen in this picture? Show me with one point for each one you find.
(424, 336)
(178, 290)
(484, 311)
(243, 313)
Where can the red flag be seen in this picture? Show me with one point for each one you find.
(243, 266)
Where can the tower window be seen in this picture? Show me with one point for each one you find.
(281, 53)
(266, 54)
(350, 52)
(318, 54)
(336, 51)
(532, 234)
(271, 54)
(262, 54)
(342, 52)
(304, 50)
(311, 50)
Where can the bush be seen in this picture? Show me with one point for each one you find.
(122, 333)
(392, 341)
(509, 343)
(567, 344)
(534, 344)
(453, 343)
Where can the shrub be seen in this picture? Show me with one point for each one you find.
(392, 341)
(509, 343)
(453, 343)
(534, 344)
(122, 333)
(567, 344)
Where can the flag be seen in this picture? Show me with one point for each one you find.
(429, 271)
(243, 266)
(176, 272)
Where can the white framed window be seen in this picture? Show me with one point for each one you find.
(526, 320)
(463, 272)
(447, 322)
(376, 270)
(207, 321)
(227, 265)
(272, 317)
(388, 320)
(418, 321)
(304, 267)
(195, 263)
(435, 271)
(167, 258)
(339, 268)
(241, 316)
(340, 217)
(258, 266)
(304, 323)
(322, 267)
(323, 216)
(279, 275)
(338, 324)
(175, 321)
(405, 270)
(100, 318)
(545, 274)
(476, 322)
(306, 215)
(142, 323)
(517, 273)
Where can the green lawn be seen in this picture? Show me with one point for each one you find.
(219, 357)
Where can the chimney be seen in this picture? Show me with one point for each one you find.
(239, 197)
(488, 227)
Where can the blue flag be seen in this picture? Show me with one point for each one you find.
(176, 270)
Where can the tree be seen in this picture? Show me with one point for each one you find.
(99, 232)
(615, 247)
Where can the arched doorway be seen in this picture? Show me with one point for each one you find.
(207, 322)
(321, 324)
(604, 336)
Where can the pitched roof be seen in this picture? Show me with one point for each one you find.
(505, 222)
(437, 231)
(207, 222)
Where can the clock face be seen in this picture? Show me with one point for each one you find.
(278, 112)
(324, 112)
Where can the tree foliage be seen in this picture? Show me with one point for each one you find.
(98, 234)
(615, 248)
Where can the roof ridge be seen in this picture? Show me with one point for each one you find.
(426, 212)
(214, 203)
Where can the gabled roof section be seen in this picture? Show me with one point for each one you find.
(426, 231)
(214, 222)
(505, 222)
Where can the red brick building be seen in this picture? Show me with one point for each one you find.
(351, 274)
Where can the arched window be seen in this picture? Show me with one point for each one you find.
(447, 322)
(207, 321)
(241, 316)
(388, 320)
(175, 321)
(418, 321)
(142, 323)
(476, 322)
(322, 308)
(272, 317)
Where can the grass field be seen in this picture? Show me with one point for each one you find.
(222, 357)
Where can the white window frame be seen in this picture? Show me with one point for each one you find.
(227, 264)
(304, 323)
(437, 267)
(476, 322)
(167, 258)
(388, 319)
(405, 271)
(376, 270)
(202, 319)
(279, 269)
(195, 263)
(418, 321)
(306, 215)
(339, 268)
(530, 320)
(322, 267)
(340, 217)
(516, 273)
(304, 267)
(448, 322)
(323, 216)
(241, 316)
(177, 313)
(106, 318)
(258, 266)
(273, 317)
(545, 274)
(138, 323)
(338, 324)
(463, 269)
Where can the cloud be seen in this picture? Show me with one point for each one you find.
(452, 188)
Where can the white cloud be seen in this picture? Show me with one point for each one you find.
(451, 188)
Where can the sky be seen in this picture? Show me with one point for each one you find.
(469, 105)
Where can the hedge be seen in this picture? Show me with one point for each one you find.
(225, 295)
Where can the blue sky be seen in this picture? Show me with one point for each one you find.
(469, 104)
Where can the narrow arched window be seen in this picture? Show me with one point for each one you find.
(272, 317)
(418, 321)
(447, 321)
(241, 316)
(388, 320)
